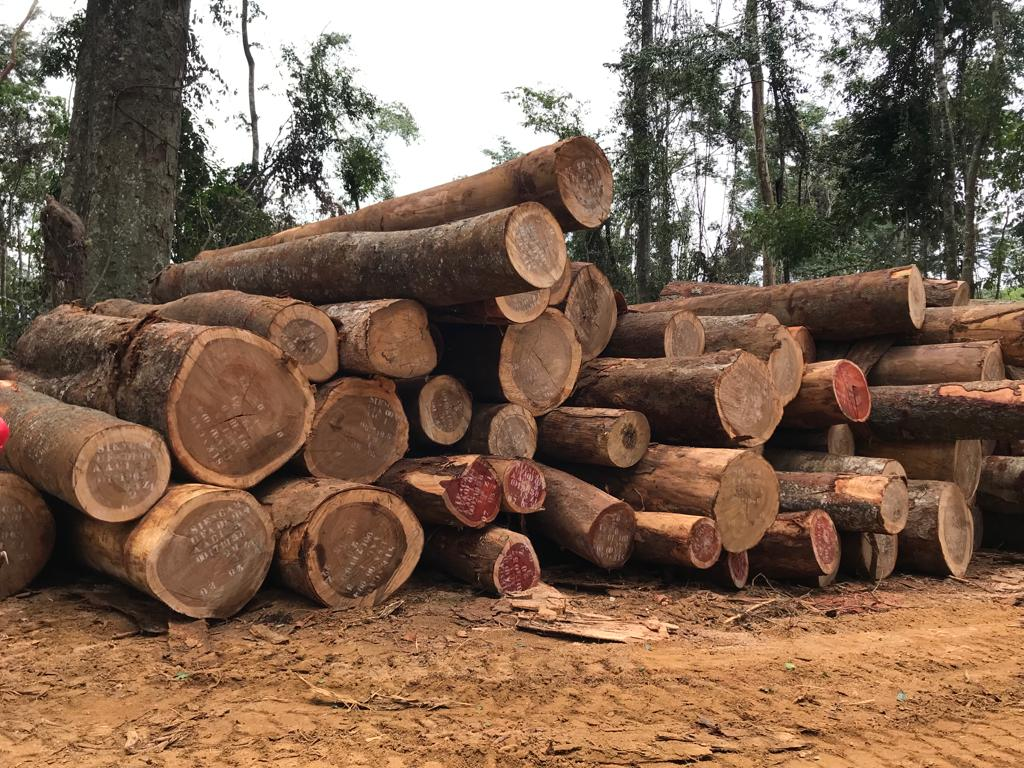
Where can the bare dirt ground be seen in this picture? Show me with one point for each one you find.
(912, 672)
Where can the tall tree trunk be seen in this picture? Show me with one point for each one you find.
(752, 54)
(254, 120)
(948, 150)
(122, 164)
(638, 117)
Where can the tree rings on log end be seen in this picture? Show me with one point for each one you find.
(684, 335)
(120, 473)
(584, 178)
(507, 430)
(956, 534)
(786, 364)
(523, 487)
(747, 402)
(308, 336)
(747, 501)
(705, 543)
(398, 341)
(610, 539)
(628, 438)
(474, 497)
(516, 569)
(869, 555)
(851, 390)
(591, 308)
(445, 409)
(540, 362)
(535, 245)
(560, 289)
(825, 541)
(916, 297)
(523, 307)
(27, 534)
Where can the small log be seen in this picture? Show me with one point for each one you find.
(667, 538)
(831, 392)
(609, 437)
(720, 400)
(1001, 321)
(939, 536)
(452, 490)
(302, 331)
(766, 339)
(386, 337)
(344, 545)
(590, 307)
(202, 551)
(109, 469)
(501, 310)
(685, 289)
(523, 488)
(799, 546)
(1002, 485)
(439, 409)
(856, 503)
(981, 410)
(784, 460)
(939, 363)
(946, 293)
(494, 559)
(805, 340)
(585, 520)
(27, 534)
(837, 440)
(657, 334)
(732, 571)
(957, 461)
(560, 289)
(869, 555)
(501, 429)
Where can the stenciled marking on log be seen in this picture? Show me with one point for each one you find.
(360, 549)
(517, 570)
(475, 494)
(225, 436)
(825, 540)
(121, 473)
(705, 543)
(585, 177)
(304, 340)
(511, 436)
(533, 238)
(611, 537)
(447, 409)
(379, 424)
(524, 485)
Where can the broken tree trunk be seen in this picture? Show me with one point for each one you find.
(732, 570)
(494, 559)
(452, 490)
(939, 363)
(784, 460)
(831, 392)
(837, 440)
(869, 555)
(302, 331)
(202, 551)
(342, 544)
(64, 253)
(501, 429)
(668, 538)
(501, 310)
(725, 399)
(982, 410)
(805, 340)
(609, 437)
(657, 334)
(800, 546)
(590, 307)
(856, 503)
(27, 533)
(946, 293)
(438, 408)
(999, 321)
(1002, 485)
(386, 337)
(939, 536)
(956, 461)
(509, 251)
(523, 488)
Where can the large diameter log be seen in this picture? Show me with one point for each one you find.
(869, 555)
(831, 392)
(785, 460)
(657, 334)
(1002, 485)
(939, 363)
(766, 339)
(109, 469)
(302, 331)
(837, 440)
(723, 400)
(501, 429)
(946, 293)
(439, 408)
(342, 544)
(523, 488)
(27, 534)
(231, 405)
(501, 310)
(939, 535)
(689, 541)
(508, 251)
(494, 559)
(454, 490)
(982, 410)
(856, 503)
(585, 520)
(805, 340)
(502, 363)
(999, 321)
(956, 461)
(560, 289)
(610, 437)
(848, 307)
(386, 337)
(571, 178)
(732, 571)
(799, 546)
(202, 551)
(590, 307)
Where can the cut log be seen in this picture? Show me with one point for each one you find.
(523, 488)
(508, 251)
(766, 339)
(452, 490)
(341, 544)
(501, 310)
(785, 460)
(957, 461)
(572, 178)
(502, 363)
(685, 289)
(561, 288)
(856, 503)
(869, 555)
(585, 520)
(109, 469)
(946, 293)
(231, 405)
(1002, 485)
(979, 410)
(667, 538)
(939, 536)
(831, 392)
(439, 409)
(799, 546)
(302, 331)
(837, 440)
(978, 523)
(27, 534)
(722, 400)
(657, 334)
(939, 363)
(387, 337)
(494, 559)
(610, 437)
(805, 340)
(732, 570)
(501, 429)
(590, 307)
(202, 551)
(847, 307)
(999, 321)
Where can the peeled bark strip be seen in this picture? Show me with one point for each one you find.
(231, 405)
(946, 293)
(109, 469)
(982, 410)
(766, 339)
(1002, 485)
(202, 551)
(957, 461)
(939, 535)
(939, 363)
(999, 321)
(869, 555)
(27, 534)
(341, 544)
(494, 559)
(590, 307)
(585, 520)
(438, 408)
(508, 251)
(657, 334)
(523, 488)
(502, 429)
(805, 340)
(784, 460)
(610, 437)
(837, 440)
(571, 178)
(832, 392)
(454, 490)
(856, 503)
(723, 400)
(359, 430)
(533, 364)
(846, 307)
(801, 546)
(732, 570)
(668, 538)
(501, 310)
(302, 331)
(387, 337)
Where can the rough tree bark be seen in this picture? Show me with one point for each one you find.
(64, 253)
